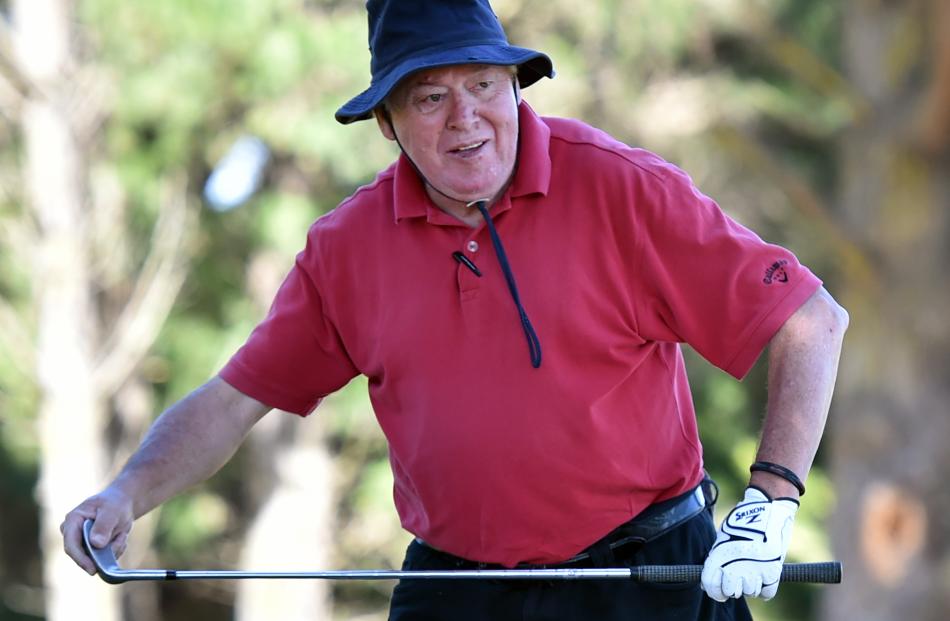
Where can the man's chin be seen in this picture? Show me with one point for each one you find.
(468, 194)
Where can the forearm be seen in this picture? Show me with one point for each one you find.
(747, 558)
(187, 444)
(803, 366)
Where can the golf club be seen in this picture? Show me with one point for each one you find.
(108, 569)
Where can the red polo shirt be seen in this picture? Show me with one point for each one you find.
(618, 259)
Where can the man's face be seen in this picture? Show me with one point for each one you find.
(459, 125)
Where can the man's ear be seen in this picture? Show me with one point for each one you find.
(385, 123)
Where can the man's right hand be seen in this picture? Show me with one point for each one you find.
(111, 512)
(186, 444)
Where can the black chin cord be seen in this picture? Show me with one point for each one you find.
(534, 344)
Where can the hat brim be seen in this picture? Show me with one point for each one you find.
(532, 66)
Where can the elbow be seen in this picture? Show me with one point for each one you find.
(843, 318)
(837, 318)
(828, 319)
(820, 319)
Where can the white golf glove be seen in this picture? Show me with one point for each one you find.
(750, 548)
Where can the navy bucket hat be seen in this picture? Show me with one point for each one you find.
(406, 36)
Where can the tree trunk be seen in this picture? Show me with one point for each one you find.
(291, 485)
(71, 416)
(890, 426)
(292, 530)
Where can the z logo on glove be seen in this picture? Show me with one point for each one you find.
(753, 515)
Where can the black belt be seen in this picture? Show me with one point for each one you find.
(653, 522)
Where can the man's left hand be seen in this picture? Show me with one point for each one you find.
(747, 558)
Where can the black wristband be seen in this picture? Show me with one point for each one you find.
(780, 471)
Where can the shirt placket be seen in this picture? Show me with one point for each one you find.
(469, 282)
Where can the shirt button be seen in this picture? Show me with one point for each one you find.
(472, 246)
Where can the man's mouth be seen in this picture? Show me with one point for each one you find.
(468, 147)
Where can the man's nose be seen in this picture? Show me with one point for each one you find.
(463, 111)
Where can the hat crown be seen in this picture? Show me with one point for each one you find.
(399, 29)
(406, 36)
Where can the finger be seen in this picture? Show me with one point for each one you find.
(72, 541)
(731, 584)
(752, 585)
(103, 529)
(120, 543)
(769, 591)
(712, 582)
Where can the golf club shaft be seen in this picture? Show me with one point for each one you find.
(828, 572)
(108, 568)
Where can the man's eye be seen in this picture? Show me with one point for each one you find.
(433, 98)
(484, 84)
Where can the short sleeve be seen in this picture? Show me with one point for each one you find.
(295, 357)
(709, 281)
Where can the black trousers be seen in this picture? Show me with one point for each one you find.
(570, 600)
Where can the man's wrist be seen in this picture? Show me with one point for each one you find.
(128, 491)
(773, 485)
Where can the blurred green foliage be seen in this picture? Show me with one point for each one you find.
(184, 79)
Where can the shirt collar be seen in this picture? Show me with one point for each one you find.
(534, 158)
(533, 174)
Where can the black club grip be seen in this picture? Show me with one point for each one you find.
(828, 572)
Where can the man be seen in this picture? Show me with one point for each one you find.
(516, 289)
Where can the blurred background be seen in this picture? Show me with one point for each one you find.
(160, 163)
